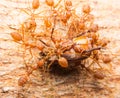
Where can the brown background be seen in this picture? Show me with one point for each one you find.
(73, 85)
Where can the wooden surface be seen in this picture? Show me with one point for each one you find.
(45, 85)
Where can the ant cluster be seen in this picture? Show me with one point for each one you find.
(63, 38)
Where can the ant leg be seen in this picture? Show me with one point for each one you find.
(56, 5)
(30, 51)
(97, 63)
(50, 64)
(24, 55)
(91, 64)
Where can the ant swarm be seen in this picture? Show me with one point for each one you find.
(58, 36)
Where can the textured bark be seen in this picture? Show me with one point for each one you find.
(71, 84)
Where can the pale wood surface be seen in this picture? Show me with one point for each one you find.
(107, 15)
